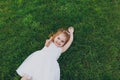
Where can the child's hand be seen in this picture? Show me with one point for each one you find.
(48, 41)
(71, 29)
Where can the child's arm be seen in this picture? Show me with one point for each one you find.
(67, 45)
(48, 41)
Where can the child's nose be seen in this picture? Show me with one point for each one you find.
(59, 41)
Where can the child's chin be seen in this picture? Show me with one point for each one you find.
(58, 45)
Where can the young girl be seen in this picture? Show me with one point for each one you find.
(42, 64)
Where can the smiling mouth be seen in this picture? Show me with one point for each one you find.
(57, 43)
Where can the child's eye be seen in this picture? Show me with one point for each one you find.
(62, 41)
(58, 38)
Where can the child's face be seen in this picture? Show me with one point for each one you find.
(60, 40)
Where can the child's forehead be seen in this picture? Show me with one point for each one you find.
(62, 34)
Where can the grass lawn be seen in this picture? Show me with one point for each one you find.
(95, 52)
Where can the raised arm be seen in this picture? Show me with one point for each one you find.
(67, 45)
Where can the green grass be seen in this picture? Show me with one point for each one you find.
(95, 52)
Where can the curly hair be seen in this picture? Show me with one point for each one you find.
(60, 31)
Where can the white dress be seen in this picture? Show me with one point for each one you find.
(42, 64)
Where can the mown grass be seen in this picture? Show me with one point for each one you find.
(95, 52)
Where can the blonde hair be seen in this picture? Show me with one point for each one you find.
(60, 31)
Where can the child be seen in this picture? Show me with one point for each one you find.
(42, 64)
